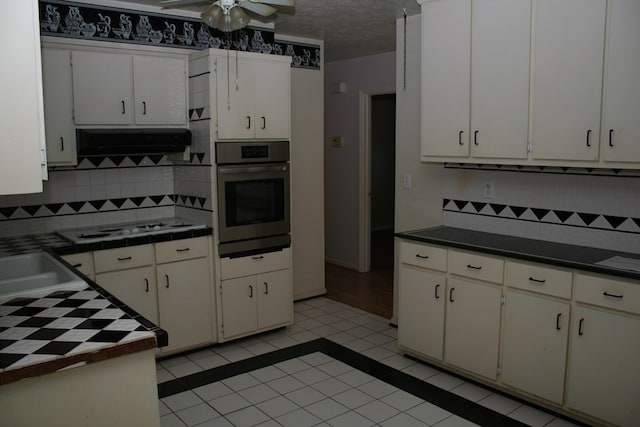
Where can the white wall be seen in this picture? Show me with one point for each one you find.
(364, 74)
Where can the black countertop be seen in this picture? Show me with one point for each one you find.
(563, 255)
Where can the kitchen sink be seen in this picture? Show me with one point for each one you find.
(35, 275)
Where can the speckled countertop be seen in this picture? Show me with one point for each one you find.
(563, 255)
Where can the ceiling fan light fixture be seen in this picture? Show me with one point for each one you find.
(213, 16)
(225, 15)
(238, 19)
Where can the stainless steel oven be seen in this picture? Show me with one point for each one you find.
(253, 196)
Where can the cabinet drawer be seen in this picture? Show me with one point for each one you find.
(476, 266)
(605, 292)
(255, 264)
(178, 250)
(82, 262)
(538, 278)
(423, 256)
(123, 258)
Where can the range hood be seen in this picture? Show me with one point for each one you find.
(102, 142)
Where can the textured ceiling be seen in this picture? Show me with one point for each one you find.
(349, 28)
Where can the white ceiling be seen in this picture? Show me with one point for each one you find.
(349, 28)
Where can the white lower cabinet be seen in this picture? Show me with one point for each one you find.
(472, 327)
(83, 262)
(534, 345)
(135, 287)
(260, 299)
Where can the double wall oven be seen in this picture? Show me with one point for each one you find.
(253, 197)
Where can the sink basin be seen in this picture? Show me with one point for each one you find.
(35, 275)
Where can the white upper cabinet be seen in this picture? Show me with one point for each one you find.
(21, 110)
(501, 37)
(621, 107)
(568, 50)
(253, 96)
(475, 68)
(58, 107)
(124, 89)
(446, 58)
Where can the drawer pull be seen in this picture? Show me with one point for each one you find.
(166, 278)
(422, 256)
(436, 291)
(78, 265)
(558, 321)
(474, 267)
(257, 257)
(533, 279)
(250, 291)
(460, 137)
(451, 294)
(182, 250)
(127, 258)
(146, 285)
(580, 326)
(607, 294)
(266, 288)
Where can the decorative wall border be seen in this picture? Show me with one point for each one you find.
(590, 220)
(626, 173)
(59, 18)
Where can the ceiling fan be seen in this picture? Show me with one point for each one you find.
(229, 15)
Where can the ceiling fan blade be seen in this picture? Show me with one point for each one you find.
(289, 3)
(168, 4)
(257, 8)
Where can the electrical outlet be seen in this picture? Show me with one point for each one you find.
(489, 190)
(337, 141)
(407, 180)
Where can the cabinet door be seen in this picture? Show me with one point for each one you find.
(604, 374)
(275, 298)
(135, 287)
(273, 100)
(160, 90)
(83, 262)
(567, 78)
(621, 139)
(446, 56)
(472, 327)
(185, 302)
(421, 297)
(235, 98)
(239, 306)
(534, 345)
(58, 107)
(501, 38)
(102, 88)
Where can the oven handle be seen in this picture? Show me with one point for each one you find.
(251, 169)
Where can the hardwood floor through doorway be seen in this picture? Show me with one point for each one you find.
(371, 291)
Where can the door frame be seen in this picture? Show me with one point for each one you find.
(364, 177)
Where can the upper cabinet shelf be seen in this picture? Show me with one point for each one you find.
(530, 81)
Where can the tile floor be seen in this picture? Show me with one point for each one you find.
(280, 378)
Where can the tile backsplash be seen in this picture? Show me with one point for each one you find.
(596, 208)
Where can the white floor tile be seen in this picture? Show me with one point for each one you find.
(258, 393)
(184, 369)
(326, 409)
(197, 414)
(421, 371)
(377, 388)
(331, 387)
(212, 361)
(445, 381)
(455, 421)
(261, 348)
(428, 413)
(305, 396)
(173, 361)
(560, 422)
(182, 400)
(377, 411)
(499, 403)
(171, 420)
(163, 375)
(212, 391)
(350, 419)
(269, 423)
(235, 354)
(315, 359)
(341, 337)
(402, 420)
(378, 353)
(343, 325)
(240, 382)
(402, 400)
(164, 409)
(360, 331)
(277, 406)
(285, 384)
(267, 374)
(298, 418)
(292, 366)
(398, 361)
(358, 345)
(216, 422)
(311, 376)
(229, 403)
(305, 336)
(355, 378)
(531, 416)
(249, 416)
(353, 398)
(471, 392)
(335, 368)
(282, 342)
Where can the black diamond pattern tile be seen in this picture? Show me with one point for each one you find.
(108, 336)
(587, 217)
(46, 334)
(93, 323)
(9, 359)
(82, 312)
(540, 213)
(478, 206)
(461, 204)
(36, 322)
(28, 311)
(563, 216)
(497, 208)
(57, 347)
(517, 210)
(615, 221)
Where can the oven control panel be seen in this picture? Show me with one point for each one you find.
(252, 152)
(255, 151)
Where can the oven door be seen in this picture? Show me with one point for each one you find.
(253, 201)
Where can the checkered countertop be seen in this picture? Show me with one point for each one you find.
(42, 335)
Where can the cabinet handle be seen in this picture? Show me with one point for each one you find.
(264, 122)
(166, 278)
(607, 294)
(610, 137)
(266, 288)
(182, 250)
(144, 107)
(460, 137)
(533, 279)
(589, 138)
(580, 326)
(250, 291)
(558, 321)
(61, 144)
(146, 285)
(436, 292)
(422, 256)
(77, 265)
(475, 138)
(123, 110)
(257, 257)
(451, 294)
(474, 267)
(248, 122)
(127, 258)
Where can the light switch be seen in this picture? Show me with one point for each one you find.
(407, 180)
(337, 141)
(489, 190)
